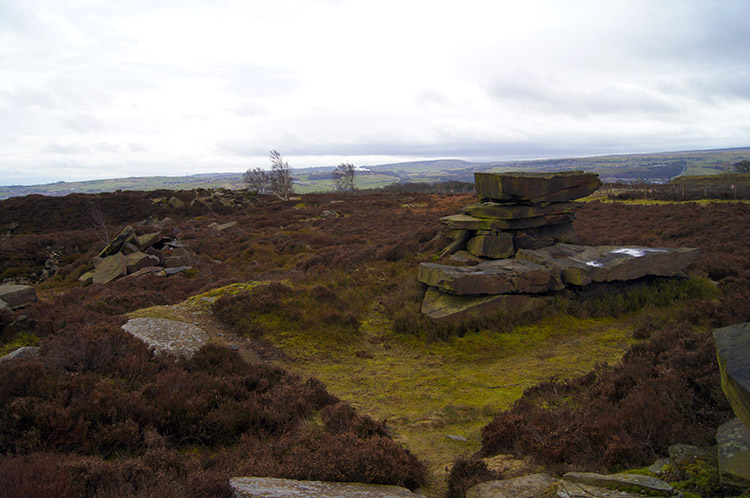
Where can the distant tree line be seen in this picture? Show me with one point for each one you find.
(742, 166)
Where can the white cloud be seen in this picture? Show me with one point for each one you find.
(136, 85)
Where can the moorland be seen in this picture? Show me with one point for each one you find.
(320, 364)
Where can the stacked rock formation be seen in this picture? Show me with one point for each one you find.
(518, 211)
(519, 239)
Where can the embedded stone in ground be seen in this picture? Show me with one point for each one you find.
(529, 486)
(269, 487)
(440, 305)
(639, 483)
(733, 352)
(168, 336)
(581, 265)
(536, 187)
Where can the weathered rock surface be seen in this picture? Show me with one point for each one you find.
(496, 246)
(733, 352)
(149, 239)
(137, 260)
(581, 265)
(503, 276)
(536, 187)
(22, 353)
(686, 454)
(110, 268)
(4, 305)
(634, 482)
(466, 222)
(16, 295)
(504, 211)
(733, 439)
(536, 238)
(126, 235)
(444, 306)
(168, 336)
(569, 489)
(521, 487)
(268, 487)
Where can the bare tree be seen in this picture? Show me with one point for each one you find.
(281, 176)
(257, 179)
(344, 176)
(98, 221)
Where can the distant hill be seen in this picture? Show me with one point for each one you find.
(657, 167)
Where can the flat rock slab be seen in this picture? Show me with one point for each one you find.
(536, 187)
(503, 276)
(268, 487)
(440, 305)
(16, 295)
(733, 439)
(167, 336)
(110, 268)
(733, 352)
(569, 489)
(521, 487)
(466, 222)
(582, 265)
(512, 211)
(633, 482)
(496, 246)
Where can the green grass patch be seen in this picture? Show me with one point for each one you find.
(19, 341)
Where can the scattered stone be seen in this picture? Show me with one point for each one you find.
(17, 295)
(175, 270)
(529, 486)
(225, 226)
(536, 187)
(176, 203)
(4, 305)
(87, 277)
(504, 276)
(329, 213)
(167, 336)
(129, 248)
(633, 482)
(456, 437)
(110, 268)
(733, 439)
(137, 260)
(269, 487)
(126, 235)
(458, 243)
(22, 353)
(733, 352)
(444, 306)
(149, 239)
(660, 466)
(581, 265)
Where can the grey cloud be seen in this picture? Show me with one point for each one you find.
(58, 148)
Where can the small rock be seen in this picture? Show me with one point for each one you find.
(22, 353)
(176, 203)
(167, 336)
(16, 295)
(643, 484)
(456, 437)
(110, 268)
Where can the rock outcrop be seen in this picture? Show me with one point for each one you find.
(733, 440)
(168, 336)
(573, 485)
(16, 295)
(733, 352)
(133, 255)
(269, 487)
(519, 240)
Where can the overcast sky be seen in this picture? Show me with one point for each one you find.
(115, 88)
